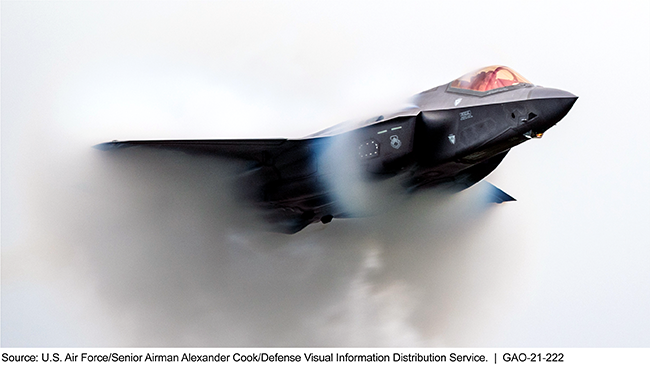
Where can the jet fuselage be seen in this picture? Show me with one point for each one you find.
(452, 136)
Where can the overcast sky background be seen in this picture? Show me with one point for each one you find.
(150, 249)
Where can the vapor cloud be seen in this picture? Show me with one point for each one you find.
(167, 254)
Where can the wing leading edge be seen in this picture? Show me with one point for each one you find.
(248, 149)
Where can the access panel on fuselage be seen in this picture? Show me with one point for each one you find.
(385, 147)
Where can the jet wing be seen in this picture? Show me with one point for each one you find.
(260, 150)
(282, 178)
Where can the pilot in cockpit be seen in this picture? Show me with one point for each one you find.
(489, 78)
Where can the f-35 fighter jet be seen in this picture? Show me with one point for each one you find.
(452, 136)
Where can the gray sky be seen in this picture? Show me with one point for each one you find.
(150, 249)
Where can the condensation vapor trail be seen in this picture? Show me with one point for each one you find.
(172, 255)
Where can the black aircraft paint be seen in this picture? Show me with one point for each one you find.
(453, 136)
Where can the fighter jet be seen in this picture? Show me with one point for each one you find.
(452, 136)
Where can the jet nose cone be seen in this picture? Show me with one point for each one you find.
(547, 93)
(554, 104)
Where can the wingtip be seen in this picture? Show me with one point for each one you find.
(499, 196)
(107, 146)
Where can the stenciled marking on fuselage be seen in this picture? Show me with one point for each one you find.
(384, 131)
(373, 153)
(457, 101)
(395, 142)
(452, 138)
(395, 128)
(466, 115)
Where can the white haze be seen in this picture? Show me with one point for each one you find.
(170, 255)
(154, 248)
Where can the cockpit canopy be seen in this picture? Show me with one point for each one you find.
(489, 79)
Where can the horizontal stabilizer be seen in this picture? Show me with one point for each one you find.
(496, 195)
